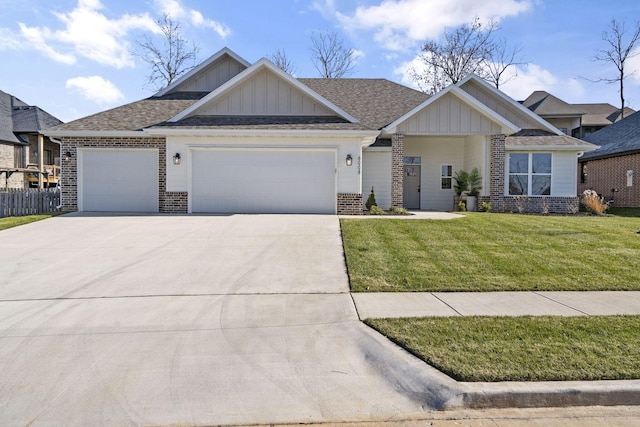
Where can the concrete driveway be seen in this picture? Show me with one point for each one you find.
(191, 320)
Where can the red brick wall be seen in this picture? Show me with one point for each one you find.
(349, 204)
(606, 174)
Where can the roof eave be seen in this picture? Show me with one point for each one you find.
(93, 133)
(261, 132)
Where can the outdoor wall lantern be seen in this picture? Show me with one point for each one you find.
(176, 159)
(68, 155)
(349, 160)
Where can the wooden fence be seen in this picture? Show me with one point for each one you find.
(17, 202)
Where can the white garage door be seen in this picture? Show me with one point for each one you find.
(269, 181)
(118, 180)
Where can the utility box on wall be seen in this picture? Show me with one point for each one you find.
(629, 178)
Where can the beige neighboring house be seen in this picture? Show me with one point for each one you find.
(28, 159)
(577, 120)
(232, 136)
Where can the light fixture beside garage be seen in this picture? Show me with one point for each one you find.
(176, 159)
(349, 160)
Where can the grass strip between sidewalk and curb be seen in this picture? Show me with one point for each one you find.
(493, 252)
(548, 348)
(15, 221)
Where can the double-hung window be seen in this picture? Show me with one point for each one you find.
(529, 174)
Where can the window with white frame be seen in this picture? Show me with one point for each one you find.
(529, 174)
(446, 176)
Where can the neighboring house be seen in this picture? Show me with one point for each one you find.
(230, 136)
(577, 120)
(27, 157)
(614, 169)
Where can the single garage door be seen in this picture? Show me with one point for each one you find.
(118, 180)
(263, 181)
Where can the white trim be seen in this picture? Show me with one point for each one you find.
(204, 64)
(507, 126)
(529, 174)
(511, 101)
(244, 75)
(581, 148)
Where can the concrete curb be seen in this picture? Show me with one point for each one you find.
(435, 391)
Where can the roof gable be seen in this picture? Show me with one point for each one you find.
(452, 111)
(210, 74)
(504, 105)
(544, 104)
(263, 90)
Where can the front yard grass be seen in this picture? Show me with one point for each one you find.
(15, 221)
(493, 252)
(522, 348)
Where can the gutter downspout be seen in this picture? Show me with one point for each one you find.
(58, 186)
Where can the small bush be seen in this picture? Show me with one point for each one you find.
(594, 203)
(486, 206)
(371, 200)
(462, 207)
(398, 210)
(374, 210)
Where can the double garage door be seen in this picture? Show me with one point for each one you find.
(263, 181)
(222, 181)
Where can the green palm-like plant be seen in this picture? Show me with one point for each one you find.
(474, 182)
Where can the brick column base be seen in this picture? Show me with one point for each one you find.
(174, 202)
(397, 170)
(349, 204)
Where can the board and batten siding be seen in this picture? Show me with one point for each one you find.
(564, 180)
(449, 116)
(476, 155)
(376, 173)
(500, 106)
(213, 76)
(267, 94)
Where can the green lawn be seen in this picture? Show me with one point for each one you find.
(522, 348)
(15, 221)
(494, 252)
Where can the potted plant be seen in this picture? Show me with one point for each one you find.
(474, 182)
(461, 186)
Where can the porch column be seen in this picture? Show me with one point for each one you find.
(40, 159)
(497, 173)
(397, 169)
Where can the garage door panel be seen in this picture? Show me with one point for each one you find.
(278, 181)
(119, 181)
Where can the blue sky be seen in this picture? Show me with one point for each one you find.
(73, 57)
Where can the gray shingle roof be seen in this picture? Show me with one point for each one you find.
(17, 117)
(544, 104)
(136, 115)
(602, 114)
(375, 102)
(540, 138)
(619, 138)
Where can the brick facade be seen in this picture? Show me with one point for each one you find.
(496, 186)
(167, 201)
(17, 179)
(603, 175)
(349, 204)
(397, 170)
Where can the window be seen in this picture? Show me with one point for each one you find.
(529, 174)
(446, 174)
(18, 156)
(412, 160)
(583, 173)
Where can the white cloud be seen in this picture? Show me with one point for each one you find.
(633, 66)
(8, 40)
(523, 80)
(90, 34)
(95, 88)
(175, 10)
(400, 24)
(405, 71)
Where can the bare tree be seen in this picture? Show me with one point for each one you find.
(469, 48)
(170, 59)
(280, 60)
(619, 49)
(500, 58)
(330, 56)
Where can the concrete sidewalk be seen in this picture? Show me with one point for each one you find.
(419, 304)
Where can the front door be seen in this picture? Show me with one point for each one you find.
(411, 193)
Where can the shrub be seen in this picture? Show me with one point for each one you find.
(462, 207)
(375, 210)
(371, 200)
(594, 203)
(474, 181)
(398, 210)
(486, 206)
